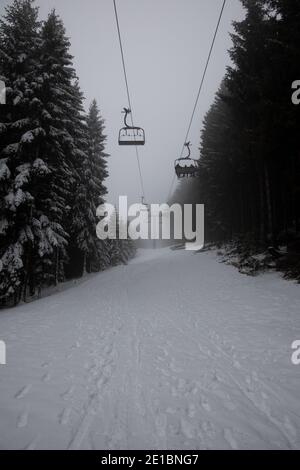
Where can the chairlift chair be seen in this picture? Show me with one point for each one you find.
(186, 166)
(131, 135)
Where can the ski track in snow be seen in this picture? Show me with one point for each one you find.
(173, 351)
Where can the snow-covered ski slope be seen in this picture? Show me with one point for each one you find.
(173, 351)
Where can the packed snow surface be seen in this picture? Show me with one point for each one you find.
(173, 351)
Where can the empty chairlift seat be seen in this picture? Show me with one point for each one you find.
(131, 135)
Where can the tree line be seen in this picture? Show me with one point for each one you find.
(53, 163)
(249, 166)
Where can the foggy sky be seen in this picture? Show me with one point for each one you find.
(166, 43)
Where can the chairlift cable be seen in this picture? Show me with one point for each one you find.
(128, 94)
(201, 85)
(204, 73)
(171, 187)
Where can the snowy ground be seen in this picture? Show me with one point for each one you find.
(172, 351)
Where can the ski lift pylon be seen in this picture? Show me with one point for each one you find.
(131, 135)
(186, 166)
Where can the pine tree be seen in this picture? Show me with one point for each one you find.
(93, 176)
(64, 123)
(21, 134)
(98, 168)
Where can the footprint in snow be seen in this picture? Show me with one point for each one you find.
(64, 416)
(161, 425)
(67, 393)
(107, 371)
(226, 400)
(254, 375)
(23, 392)
(187, 429)
(102, 382)
(22, 420)
(230, 439)
(208, 428)
(253, 386)
(205, 405)
(46, 377)
(181, 384)
(236, 364)
(32, 445)
(191, 411)
(171, 410)
(174, 368)
(290, 427)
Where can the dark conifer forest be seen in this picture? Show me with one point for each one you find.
(249, 166)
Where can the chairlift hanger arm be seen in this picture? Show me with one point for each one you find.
(126, 111)
(188, 156)
(188, 146)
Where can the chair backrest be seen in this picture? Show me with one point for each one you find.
(132, 136)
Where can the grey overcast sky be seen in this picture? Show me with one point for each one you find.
(166, 43)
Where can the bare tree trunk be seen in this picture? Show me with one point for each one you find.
(262, 210)
(269, 204)
(84, 264)
(56, 266)
(26, 276)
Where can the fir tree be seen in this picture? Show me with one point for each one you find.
(92, 184)
(21, 134)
